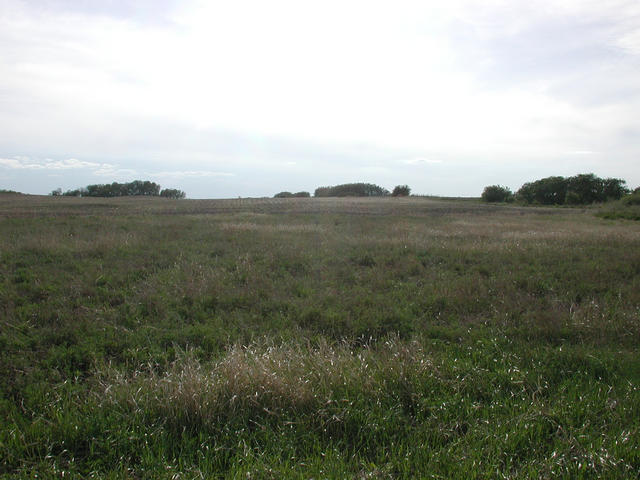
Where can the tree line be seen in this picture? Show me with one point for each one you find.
(115, 189)
(582, 189)
(292, 195)
(351, 190)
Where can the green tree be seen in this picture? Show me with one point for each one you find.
(584, 189)
(496, 193)
(401, 191)
(115, 189)
(172, 193)
(546, 191)
(352, 190)
(614, 188)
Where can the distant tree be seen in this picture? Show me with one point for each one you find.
(580, 189)
(584, 189)
(546, 191)
(322, 192)
(78, 192)
(115, 189)
(283, 195)
(401, 191)
(496, 193)
(172, 193)
(56, 193)
(292, 195)
(352, 190)
(614, 188)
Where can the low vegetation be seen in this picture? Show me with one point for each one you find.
(316, 338)
(627, 208)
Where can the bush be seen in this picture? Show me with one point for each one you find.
(633, 199)
(497, 193)
(628, 208)
(401, 191)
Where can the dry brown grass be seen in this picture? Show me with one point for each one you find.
(266, 378)
(287, 228)
(37, 206)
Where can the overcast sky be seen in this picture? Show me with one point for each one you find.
(249, 98)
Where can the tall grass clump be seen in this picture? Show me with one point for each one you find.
(265, 381)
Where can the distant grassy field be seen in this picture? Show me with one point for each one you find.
(316, 338)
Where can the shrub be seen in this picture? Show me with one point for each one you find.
(497, 193)
(633, 199)
(401, 191)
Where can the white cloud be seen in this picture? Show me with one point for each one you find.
(114, 172)
(581, 152)
(12, 163)
(25, 163)
(70, 163)
(420, 161)
(190, 173)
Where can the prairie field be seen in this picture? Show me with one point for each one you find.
(316, 338)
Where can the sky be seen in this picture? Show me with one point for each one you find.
(249, 98)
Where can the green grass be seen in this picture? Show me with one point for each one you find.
(316, 338)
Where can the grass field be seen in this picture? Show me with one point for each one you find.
(316, 338)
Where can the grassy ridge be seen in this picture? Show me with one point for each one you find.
(374, 338)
